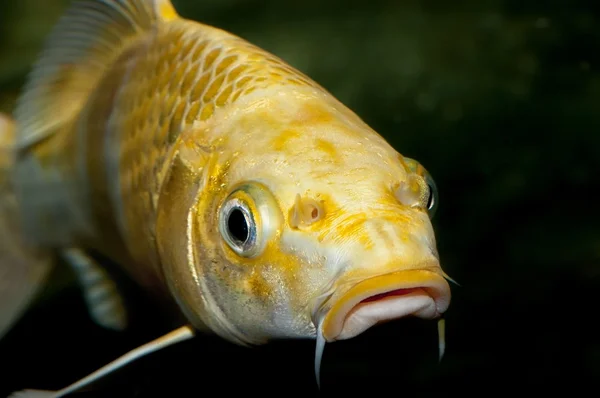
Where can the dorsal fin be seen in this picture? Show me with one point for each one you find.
(83, 44)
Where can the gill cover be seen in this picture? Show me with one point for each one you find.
(202, 231)
(175, 240)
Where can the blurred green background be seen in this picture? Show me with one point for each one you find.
(498, 99)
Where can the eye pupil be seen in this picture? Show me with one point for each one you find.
(237, 225)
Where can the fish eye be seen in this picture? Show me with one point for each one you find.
(238, 226)
(429, 201)
(248, 217)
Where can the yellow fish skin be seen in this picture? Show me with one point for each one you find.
(221, 177)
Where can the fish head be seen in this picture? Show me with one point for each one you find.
(308, 224)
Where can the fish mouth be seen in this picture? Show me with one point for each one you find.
(421, 293)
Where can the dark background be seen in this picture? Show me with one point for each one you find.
(498, 99)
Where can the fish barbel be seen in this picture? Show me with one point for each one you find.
(217, 176)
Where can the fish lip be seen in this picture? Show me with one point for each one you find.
(428, 298)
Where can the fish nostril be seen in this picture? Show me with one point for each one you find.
(305, 212)
(314, 213)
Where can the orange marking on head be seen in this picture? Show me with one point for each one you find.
(258, 285)
(327, 147)
(314, 112)
(350, 227)
(281, 141)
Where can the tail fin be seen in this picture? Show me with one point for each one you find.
(87, 39)
(23, 270)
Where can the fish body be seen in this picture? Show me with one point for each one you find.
(221, 178)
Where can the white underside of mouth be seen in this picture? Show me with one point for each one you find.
(367, 314)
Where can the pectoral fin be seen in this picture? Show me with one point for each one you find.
(174, 337)
(104, 302)
(23, 272)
